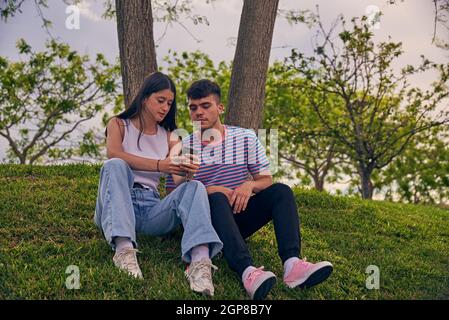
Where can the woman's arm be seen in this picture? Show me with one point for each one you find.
(114, 149)
(174, 150)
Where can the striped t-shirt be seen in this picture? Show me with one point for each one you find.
(229, 163)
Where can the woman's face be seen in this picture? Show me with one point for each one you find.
(158, 104)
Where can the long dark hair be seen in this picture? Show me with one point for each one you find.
(154, 82)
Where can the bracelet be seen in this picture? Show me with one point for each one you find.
(158, 165)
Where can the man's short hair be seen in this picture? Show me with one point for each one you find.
(203, 88)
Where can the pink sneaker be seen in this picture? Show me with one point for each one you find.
(306, 275)
(258, 283)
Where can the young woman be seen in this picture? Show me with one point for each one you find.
(128, 201)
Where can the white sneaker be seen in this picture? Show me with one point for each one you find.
(126, 260)
(200, 276)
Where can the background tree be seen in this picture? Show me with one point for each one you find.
(9, 8)
(249, 72)
(136, 43)
(379, 113)
(421, 173)
(302, 139)
(135, 21)
(441, 20)
(136, 38)
(187, 67)
(45, 98)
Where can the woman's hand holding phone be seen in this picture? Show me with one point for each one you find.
(190, 163)
(171, 165)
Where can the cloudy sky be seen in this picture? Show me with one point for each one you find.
(410, 22)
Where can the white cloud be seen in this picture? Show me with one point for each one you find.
(86, 10)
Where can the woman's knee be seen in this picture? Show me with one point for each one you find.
(195, 185)
(115, 164)
(117, 168)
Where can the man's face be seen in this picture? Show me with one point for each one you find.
(207, 110)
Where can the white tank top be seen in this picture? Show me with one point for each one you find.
(151, 146)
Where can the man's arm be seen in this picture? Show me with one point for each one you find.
(240, 196)
(261, 181)
(258, 166)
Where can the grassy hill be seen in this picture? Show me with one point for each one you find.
(46, 225)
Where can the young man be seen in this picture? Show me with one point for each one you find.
(235, 171)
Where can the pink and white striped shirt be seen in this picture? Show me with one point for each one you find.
(229, 163)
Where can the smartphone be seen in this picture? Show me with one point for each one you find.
(187, 150)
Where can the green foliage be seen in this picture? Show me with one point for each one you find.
(46, 225)
(186, 68)
(377, 113)
(302, 138)
(9, 8)
(164, 11)
(46, 97)
(421, 173)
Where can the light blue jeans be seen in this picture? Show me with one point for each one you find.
(123, 211)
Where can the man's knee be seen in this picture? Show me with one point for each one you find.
(218, 199)
(282, 191)
(219, 204)
(220, 209)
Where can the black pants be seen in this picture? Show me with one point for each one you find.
(276, 203)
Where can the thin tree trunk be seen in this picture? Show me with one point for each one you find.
(367, 185)
(319, 183)
(249, 72)
(136, 43)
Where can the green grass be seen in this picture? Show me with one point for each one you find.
(46, 225)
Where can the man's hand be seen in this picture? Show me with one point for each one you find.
(240, 196)
(226, 191)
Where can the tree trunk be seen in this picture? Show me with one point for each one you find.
(367, 185)
(136, 43)
(318, 182)
(249, 72)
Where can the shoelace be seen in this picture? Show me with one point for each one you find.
(200, 266)
(255, 273)
(301, 263)
(132, 261)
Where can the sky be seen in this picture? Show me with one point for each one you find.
(410, 22)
